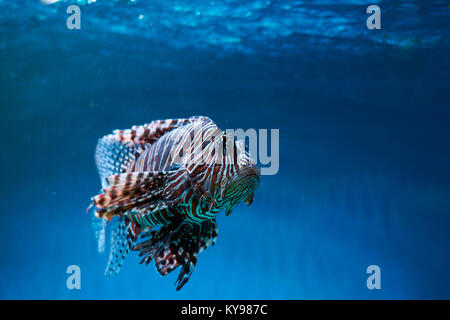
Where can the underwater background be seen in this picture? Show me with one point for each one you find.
(364, 120)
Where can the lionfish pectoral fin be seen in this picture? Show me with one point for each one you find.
(137, 190)
(123, 237)
(113, 157)
(99, 228)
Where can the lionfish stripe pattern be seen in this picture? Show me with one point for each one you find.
(165, 182)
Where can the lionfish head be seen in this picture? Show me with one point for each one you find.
(242, 185)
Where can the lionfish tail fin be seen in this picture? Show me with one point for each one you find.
(123, 236)
(177, 244)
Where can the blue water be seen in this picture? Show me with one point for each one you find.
(364, 142)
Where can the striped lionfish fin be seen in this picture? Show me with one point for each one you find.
(99, 228)
(139, 190)
(150, 132)
(177, 245)
(113, 157)
(124, 234)
(115, 153)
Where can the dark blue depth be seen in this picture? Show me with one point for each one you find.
(364, 142)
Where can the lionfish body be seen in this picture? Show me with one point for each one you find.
(165, 182)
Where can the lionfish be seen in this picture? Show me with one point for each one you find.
(164, 183)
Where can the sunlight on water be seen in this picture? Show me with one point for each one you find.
(276, 27)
